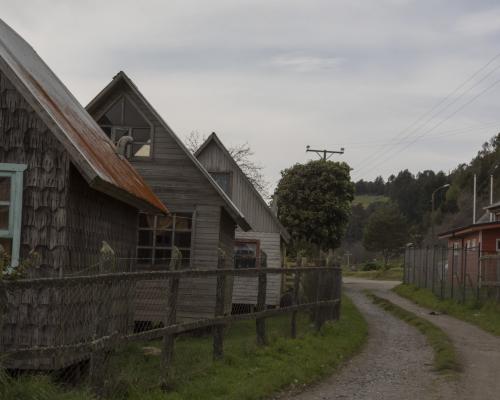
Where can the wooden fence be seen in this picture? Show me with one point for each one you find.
(52, 323)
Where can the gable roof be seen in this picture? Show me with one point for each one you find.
(213, 138)
(90, 150)
(229, 206)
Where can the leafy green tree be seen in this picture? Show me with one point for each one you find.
(386, 231)
(314, 202)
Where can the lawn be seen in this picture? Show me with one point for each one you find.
(391, 274)
(247, 371)
(365, 199)
(485, 315)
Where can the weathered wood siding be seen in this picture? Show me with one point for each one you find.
(243, 194)
(25, 139)
(183, 188)
(93, 217)
(245, 288)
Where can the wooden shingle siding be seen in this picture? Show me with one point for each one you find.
(24, 138)
(245, 288)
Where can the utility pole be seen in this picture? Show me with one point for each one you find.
(433, 206)
(324, 154)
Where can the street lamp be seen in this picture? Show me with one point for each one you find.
(433, 204)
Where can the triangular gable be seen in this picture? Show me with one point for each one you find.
(89, 148)
(230, 207)
(214, 139)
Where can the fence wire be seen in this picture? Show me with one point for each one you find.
(459, 273)
(116, 334)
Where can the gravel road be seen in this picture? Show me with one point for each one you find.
(396, 362)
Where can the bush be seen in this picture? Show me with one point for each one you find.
(371, 266)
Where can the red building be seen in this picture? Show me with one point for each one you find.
(475, 249)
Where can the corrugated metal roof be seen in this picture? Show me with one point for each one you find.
(90, 149)
(230, 207)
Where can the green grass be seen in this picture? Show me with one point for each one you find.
(484, 315)
(247, 371)
(365, 200)
(391, 274)
(445, 357)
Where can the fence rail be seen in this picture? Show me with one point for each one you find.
(459, 273)
(58, 323)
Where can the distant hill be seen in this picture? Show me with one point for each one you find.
(366, 199)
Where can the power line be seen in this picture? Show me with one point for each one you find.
(432, 112)
(438, 124)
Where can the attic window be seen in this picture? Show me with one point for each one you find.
(123, 118)
(11, 190)
(223, 179)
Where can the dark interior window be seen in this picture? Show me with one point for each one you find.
(245, 255)
(223, 179)
(124, 119)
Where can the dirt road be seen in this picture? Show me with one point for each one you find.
(396, 362)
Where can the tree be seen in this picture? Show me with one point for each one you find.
(386, 231)
(243, 155)
(314, 202)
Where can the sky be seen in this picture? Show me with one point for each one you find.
(397, 83)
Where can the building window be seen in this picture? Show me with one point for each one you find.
(498, 244)
(124, 119)
(11, 192)
(246, 253)
(157, 236)
(223, 179)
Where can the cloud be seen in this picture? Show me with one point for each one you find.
(305, 63)
(482, 23)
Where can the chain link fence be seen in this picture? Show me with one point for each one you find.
(110, 332)
(459, 273)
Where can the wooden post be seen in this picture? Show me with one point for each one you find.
(171, 318)
(260, 323)
(320, 295)
(296, 292)
(220, 300)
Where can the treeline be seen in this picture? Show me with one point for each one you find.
(411, 195)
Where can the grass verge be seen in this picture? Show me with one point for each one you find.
(247, 371)
(391, 274)
(484, 315)
(445, 357)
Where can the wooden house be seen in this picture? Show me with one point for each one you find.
(267, 234)
(64, 189)
(203, 219)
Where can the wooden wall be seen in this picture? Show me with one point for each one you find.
(183, 188)
(25, 139)
(245, 288)
(243, 194)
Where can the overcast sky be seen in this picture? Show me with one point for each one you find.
(282, 74)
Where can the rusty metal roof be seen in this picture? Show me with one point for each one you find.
(90, 149)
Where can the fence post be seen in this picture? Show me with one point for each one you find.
(478, 283)
(260, 323)
(167, 351)
(296, 291)
(464, 274)
(426, 272)
(444, 261)
(220, 301)
(405, 281)
(452, 288)
(320, 289)
(414, 266)
(433, 267)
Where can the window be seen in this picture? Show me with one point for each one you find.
(11, 191)
(124, 119)
(223, 179)
(246, 254)
(158, 234)
(498, 244)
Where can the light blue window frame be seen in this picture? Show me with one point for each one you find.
(15, 173)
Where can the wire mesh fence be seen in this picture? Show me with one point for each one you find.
(102, 332)
(459, 273)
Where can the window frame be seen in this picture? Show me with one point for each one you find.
(230, 175)
(255, 242)
(150, 125)
(16, 174)
(173, 230)
(497, 245)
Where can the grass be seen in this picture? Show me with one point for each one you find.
(247, 371)
(445, 357)
(485, 315)
(391, 274)
(366, 199)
